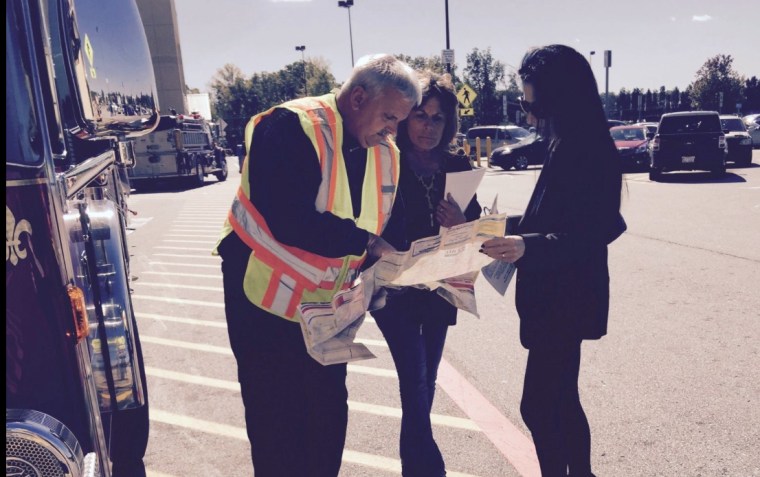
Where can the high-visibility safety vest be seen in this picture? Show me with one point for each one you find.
(280, 277)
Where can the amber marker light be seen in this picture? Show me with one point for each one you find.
(78, 311)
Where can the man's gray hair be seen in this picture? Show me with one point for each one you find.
(376, 72)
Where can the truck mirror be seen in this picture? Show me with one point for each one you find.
(110, 70)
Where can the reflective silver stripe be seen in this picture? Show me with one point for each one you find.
(328, 161)
(313, 274)
(285, 289)
(388, 181)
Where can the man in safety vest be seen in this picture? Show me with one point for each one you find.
(316, 191)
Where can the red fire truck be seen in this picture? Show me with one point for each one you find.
(79, 89)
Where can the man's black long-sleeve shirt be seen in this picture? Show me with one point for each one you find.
(284, 174)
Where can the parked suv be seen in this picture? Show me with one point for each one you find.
(688, 141)
(500, 136)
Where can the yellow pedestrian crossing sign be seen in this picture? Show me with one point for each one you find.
(466, 96)
(466, 112)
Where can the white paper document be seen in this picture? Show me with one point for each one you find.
(463, 185)
(448, 263)
(499, 274)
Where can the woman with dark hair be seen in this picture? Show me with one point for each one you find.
(560, 250)
(414, 321)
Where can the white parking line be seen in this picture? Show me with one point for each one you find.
(198, 249)
(225, 350)
(191, 235)
(139, 284)
(187, 228)
(371, 371)
(179, 255)
(197, 223)
(368, 342)
(350, 456)
(155, 473)
(377, 410)
(178, 301)
(178, 274)
(368, 370)
(179, 264)
(177, 319)
(190, 241)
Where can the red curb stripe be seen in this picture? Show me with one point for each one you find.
(505, 436)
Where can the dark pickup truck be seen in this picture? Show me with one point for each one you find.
(688, 141)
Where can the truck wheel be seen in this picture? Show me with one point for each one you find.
(746, 162)
(719, 171)
(199, 177)
(221, 176)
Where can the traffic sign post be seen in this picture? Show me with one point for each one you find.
(466, 96)
(448, 57)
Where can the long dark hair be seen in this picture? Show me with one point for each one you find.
(566, 93)
(438, 86)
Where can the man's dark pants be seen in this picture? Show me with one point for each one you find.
(296, 410)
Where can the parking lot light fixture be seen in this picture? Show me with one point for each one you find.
(302, 48)
(347, 4)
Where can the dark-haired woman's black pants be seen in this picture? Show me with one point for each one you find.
(551, 408)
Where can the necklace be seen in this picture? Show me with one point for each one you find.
(429, 194)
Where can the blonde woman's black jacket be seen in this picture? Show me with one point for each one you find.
(562, 287)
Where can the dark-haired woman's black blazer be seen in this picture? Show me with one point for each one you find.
(562, 289)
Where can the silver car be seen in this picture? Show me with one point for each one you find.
(752, 123)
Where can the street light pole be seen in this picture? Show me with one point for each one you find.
(607, 66)
(302, 48)
(448, 45)
(347, 4)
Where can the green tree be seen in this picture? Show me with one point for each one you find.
(513, 93)
(675, 99)
(483, 73)
(623, 104)
(237, 99)
(751, 101)
(717, 76)
(432, 63)
(421, 63)
(685, 100)
(320, 79)
(232, 100)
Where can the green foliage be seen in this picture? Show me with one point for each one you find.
(483, 74)
(717, 76)
(751, 95)
(236, 99)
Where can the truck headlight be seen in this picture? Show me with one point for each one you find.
(746, 141)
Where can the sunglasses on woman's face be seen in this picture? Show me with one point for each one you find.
(526, 106)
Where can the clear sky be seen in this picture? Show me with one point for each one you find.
(653, 42)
